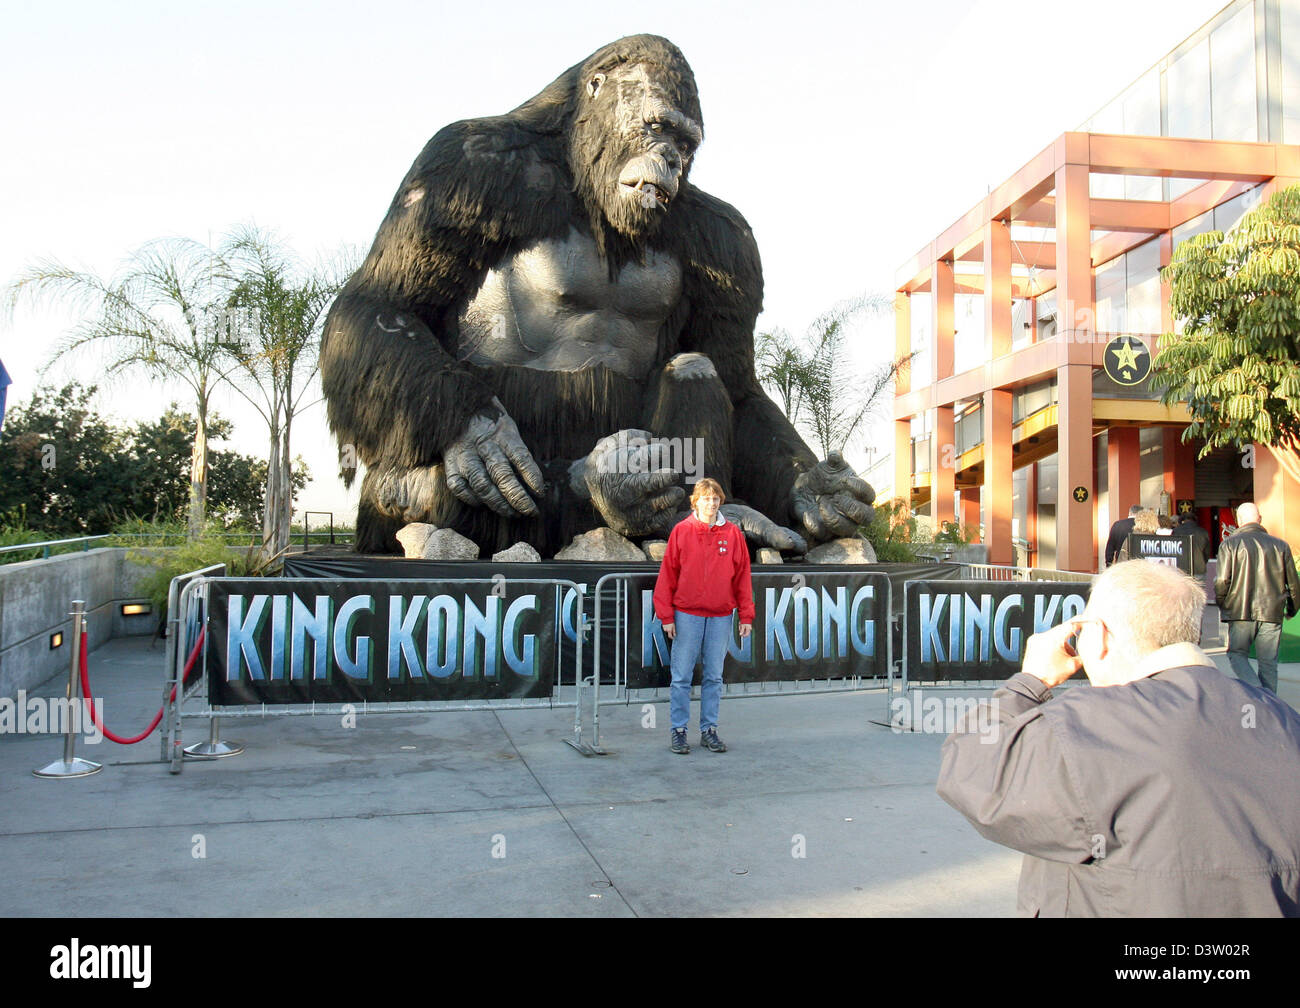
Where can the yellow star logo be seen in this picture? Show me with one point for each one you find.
(1126, 356)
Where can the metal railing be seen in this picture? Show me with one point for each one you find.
(1006, 572)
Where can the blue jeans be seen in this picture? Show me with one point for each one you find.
(698, 638)
(1266, 637)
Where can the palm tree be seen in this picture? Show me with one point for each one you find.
(817, 382)
(163, 315)
(277, 308)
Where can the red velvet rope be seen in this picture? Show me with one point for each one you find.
(90, 700)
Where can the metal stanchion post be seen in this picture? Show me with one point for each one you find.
(214, 747)
(71, 765)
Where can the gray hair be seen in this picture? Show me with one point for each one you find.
(1147, 606)
(1247, 514)
(1135, 510)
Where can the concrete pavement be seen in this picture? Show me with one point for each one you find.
(816, 810)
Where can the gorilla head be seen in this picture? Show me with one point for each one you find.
(636, 126)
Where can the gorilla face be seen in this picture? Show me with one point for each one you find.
(633, 148)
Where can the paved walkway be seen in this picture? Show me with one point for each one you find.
(816, 810)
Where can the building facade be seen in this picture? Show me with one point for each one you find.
(1028, 412)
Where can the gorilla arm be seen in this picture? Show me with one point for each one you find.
(394, 386)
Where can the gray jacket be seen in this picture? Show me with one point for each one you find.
(1174, 795)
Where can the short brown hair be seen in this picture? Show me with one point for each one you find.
(706, 486)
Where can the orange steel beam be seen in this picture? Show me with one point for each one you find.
(1172, 157)
(1106, 215)
(1024, 197)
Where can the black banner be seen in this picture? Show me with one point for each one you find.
(280, 640)
(1166, 549)
(808, 624)
(968, 631)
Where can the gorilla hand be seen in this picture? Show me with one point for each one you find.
(407, 494)
(831, 500)
(762, 531)
(481, 466)
(629, 483)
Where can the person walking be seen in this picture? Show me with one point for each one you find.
(1199, 543)
(1257, 588)
(1119, 534)
(703, 580)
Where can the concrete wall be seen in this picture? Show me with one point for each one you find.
(37, 595)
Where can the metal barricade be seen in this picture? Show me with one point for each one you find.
(1007, 572)
(614, 590)
(194, 593)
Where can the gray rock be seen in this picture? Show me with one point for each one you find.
(843, 551)
(767, 555)
(520, 552)
(654, 549)
(414, 536)
(602, 545)
(445, 544)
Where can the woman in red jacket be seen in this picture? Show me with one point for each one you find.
(703, 579)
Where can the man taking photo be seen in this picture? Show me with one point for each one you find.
(1165, 788)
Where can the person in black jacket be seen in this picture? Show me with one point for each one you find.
(1199, 546)
(1257, 588)
(1119, 533)
(1159, 790)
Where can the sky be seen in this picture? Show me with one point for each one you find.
(849, 134)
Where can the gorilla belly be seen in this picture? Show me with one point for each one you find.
(553, 307)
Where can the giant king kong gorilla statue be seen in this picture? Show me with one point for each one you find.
(546, 281)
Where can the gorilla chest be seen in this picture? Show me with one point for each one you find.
(554, 307)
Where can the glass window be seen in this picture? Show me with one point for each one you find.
(1232, 78)
(1111, 316)
(1226, 215)
(921, 310)
(1141, 115)
(968, 345)
(1022, 326)
(1142, 297)
(1046, 316)
(1289, 14)
(1187, 84)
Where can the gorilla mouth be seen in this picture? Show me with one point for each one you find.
(646, 193)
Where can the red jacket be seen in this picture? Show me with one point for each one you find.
(705, 572)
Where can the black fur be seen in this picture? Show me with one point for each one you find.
(481, 190)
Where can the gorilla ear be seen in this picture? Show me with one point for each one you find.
(593, 85)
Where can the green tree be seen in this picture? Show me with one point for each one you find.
(277, 309)
(63, 464)
(1236, 364)
(72, 472)
(163, 314)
